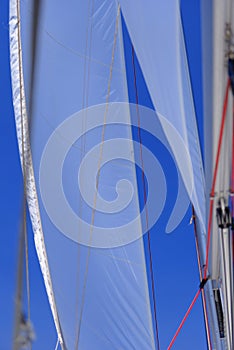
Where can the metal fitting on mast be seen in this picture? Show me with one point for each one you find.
(223, 214)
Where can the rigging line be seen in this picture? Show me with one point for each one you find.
(184, 319)
(99, 164)
(19, 290)
(232, 171)
(57, 344)
(83, 147)
(23, 166)
(212, 194)
(230, 243)
(231, 249)
(224, 282)
(232, 180)
(85, 97)
(145, 201)
(200, 274)
(34, 49)
(201, 287)
(205, 278)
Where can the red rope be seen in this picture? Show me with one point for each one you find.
(200, 273)
(184, 319)
(209, 235)
(145, 201)
(232, 176)
(211, 209)
(215, 176)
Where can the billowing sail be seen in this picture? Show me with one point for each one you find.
(91, 183)
(93, 292)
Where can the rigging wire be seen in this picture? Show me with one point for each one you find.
(232, 171)
(200, 274)
(232, 205)
(19, 290)
(225, 285)
(184, 319)
(145, 200)
(57, 344)
(24, 168)
(212, 196)
(231, 247)
(232, 180)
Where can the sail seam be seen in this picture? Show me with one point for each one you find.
(99, 166)
(88, 44)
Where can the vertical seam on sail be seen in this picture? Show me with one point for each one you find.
(83, 147)
(16, 62)
(98, 173)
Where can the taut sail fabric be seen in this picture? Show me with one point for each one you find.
(99, 296)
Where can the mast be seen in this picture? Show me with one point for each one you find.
(218, 112)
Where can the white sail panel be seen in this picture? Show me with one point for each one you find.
(101, 295)
(157, 36)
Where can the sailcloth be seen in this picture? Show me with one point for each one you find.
(97, 296)
(75, 130)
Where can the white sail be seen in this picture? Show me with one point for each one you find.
(80, 159)
(98, 296)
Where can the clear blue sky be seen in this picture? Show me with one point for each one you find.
(174, 256)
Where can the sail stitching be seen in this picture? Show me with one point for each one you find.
(74, 51)
(83, 143)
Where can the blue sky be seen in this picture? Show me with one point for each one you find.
(174, 256)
